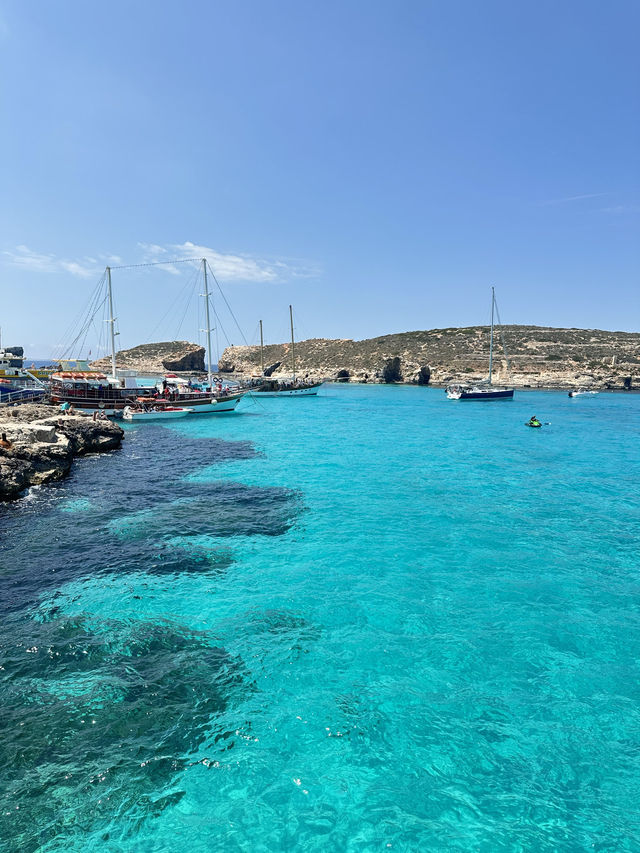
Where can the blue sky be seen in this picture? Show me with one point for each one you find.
(378, 165)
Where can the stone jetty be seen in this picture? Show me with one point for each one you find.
(42, 444)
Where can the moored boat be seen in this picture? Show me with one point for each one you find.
(288, 386)
(482, 390)
(478, 392)
(582, 392)
(95, 391)
(154, 412)
(16, 391)
(16, 383)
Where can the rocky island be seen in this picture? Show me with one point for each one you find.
(171, 356)
(39, 445)
(538, 357)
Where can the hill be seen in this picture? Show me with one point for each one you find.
(538, 356)
(158, 358)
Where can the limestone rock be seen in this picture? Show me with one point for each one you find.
(269, 371)
(540, 357)
(43, 444)
(391, 372)
(158, 358)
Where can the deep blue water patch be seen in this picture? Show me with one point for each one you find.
(119, 515)
(99, 724)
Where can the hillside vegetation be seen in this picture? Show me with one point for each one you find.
(538, 357)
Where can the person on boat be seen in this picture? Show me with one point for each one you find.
(534, 422)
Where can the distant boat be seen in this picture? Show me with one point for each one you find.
(582, 392)
(289, 387)
(481, 390)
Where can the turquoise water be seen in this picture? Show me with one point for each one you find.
(373, 620)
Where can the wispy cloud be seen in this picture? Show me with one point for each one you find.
(621, 208)
(571, 198)
(26, 258)
(229, 267)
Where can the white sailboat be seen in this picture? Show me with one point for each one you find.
(481, 390)
(285, 387)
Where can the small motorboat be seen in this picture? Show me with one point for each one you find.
(154, 412)
(582, 392)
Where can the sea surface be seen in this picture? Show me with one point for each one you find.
(372, 620)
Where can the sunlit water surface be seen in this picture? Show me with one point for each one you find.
(372, 620)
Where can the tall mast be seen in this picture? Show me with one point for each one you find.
(112, 323)
(261, 350)
(206, 302)
(293, 346)
(493, 300)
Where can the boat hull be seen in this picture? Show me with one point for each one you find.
(217, 406)
(480, 394)
(310, 391)
(165, 414)
(16, 395)
(112, 401)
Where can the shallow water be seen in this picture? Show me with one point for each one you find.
(373, 620)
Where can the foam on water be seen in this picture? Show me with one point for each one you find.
(373, 620)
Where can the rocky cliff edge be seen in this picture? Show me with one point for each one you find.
(43, 443)
(172, 356)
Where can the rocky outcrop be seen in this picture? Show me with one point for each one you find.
(424, 375)
(539, 357)
(392, 371)
(174, 356)
(43, 444)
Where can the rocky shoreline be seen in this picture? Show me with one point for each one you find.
(539, 358)
(43, 444)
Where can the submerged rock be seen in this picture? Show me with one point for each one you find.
(104, 721)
